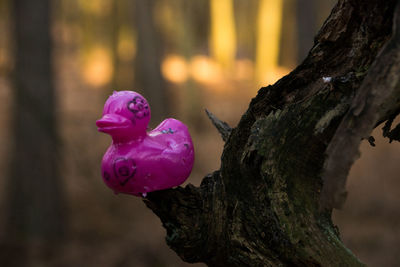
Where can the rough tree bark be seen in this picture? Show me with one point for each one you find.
(264, 206)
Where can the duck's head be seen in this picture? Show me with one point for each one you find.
(126, 115)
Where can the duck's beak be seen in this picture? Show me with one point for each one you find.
(111, 122)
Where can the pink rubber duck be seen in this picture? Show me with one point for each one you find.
(138, 161)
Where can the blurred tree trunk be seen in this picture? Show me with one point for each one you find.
(4, 41)
(115, 28)
(269, 25)
(193, 31)
(288, 50)
(148, 78)
(223, 33)
(306, 26)
(35, 199)
(264, 207)
(245, 18)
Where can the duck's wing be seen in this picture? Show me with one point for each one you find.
(177, 145)
(173, 135)
(171, 126)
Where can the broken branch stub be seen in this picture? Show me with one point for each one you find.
(222, 127)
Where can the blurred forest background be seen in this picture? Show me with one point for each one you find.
(60, 59)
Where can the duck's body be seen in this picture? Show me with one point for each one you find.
(138, 162)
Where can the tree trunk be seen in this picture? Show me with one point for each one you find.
(35, 199)
(264, 206)
(148, 78)
(306, 26)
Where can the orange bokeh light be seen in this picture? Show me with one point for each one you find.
(174, 68)
(205, 70)
(98, 68)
